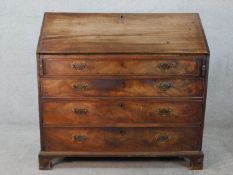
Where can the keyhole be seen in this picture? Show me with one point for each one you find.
(122, 132)
(121, 105)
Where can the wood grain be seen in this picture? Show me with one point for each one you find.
(112, 111)
(122, 33)
(162, 67)
(121, 139)
(147, 87)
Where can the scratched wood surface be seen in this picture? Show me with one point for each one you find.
(122, 33)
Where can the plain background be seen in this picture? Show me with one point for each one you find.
(20, 22)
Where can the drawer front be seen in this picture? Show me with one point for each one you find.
(121, 67)
(120, 139)
(112, 111)
(122, 87)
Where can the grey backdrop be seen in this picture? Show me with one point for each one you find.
(20, 22)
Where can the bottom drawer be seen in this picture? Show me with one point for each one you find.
(120, 139)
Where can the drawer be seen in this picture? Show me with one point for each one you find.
(120, 139)
(147, 87)
(56, 67)
(112, 111)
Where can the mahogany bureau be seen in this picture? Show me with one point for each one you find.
(122, 85)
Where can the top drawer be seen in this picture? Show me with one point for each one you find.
(160, 67)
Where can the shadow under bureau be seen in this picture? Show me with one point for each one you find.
(122, 85)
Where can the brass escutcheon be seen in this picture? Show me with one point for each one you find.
(80, 111)
(80, 86)
(79, 138)
(166, 66)
(163, 86)
(164, 111)
(78, 66)
(162, 138)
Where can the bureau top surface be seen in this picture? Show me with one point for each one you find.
(84, 33)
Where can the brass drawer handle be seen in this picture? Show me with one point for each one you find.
(163, 86)
(80, 111)
(79, 138)
(164, 111)
(162, 138)
(166, 66)
(78, 66)
(80, 86)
